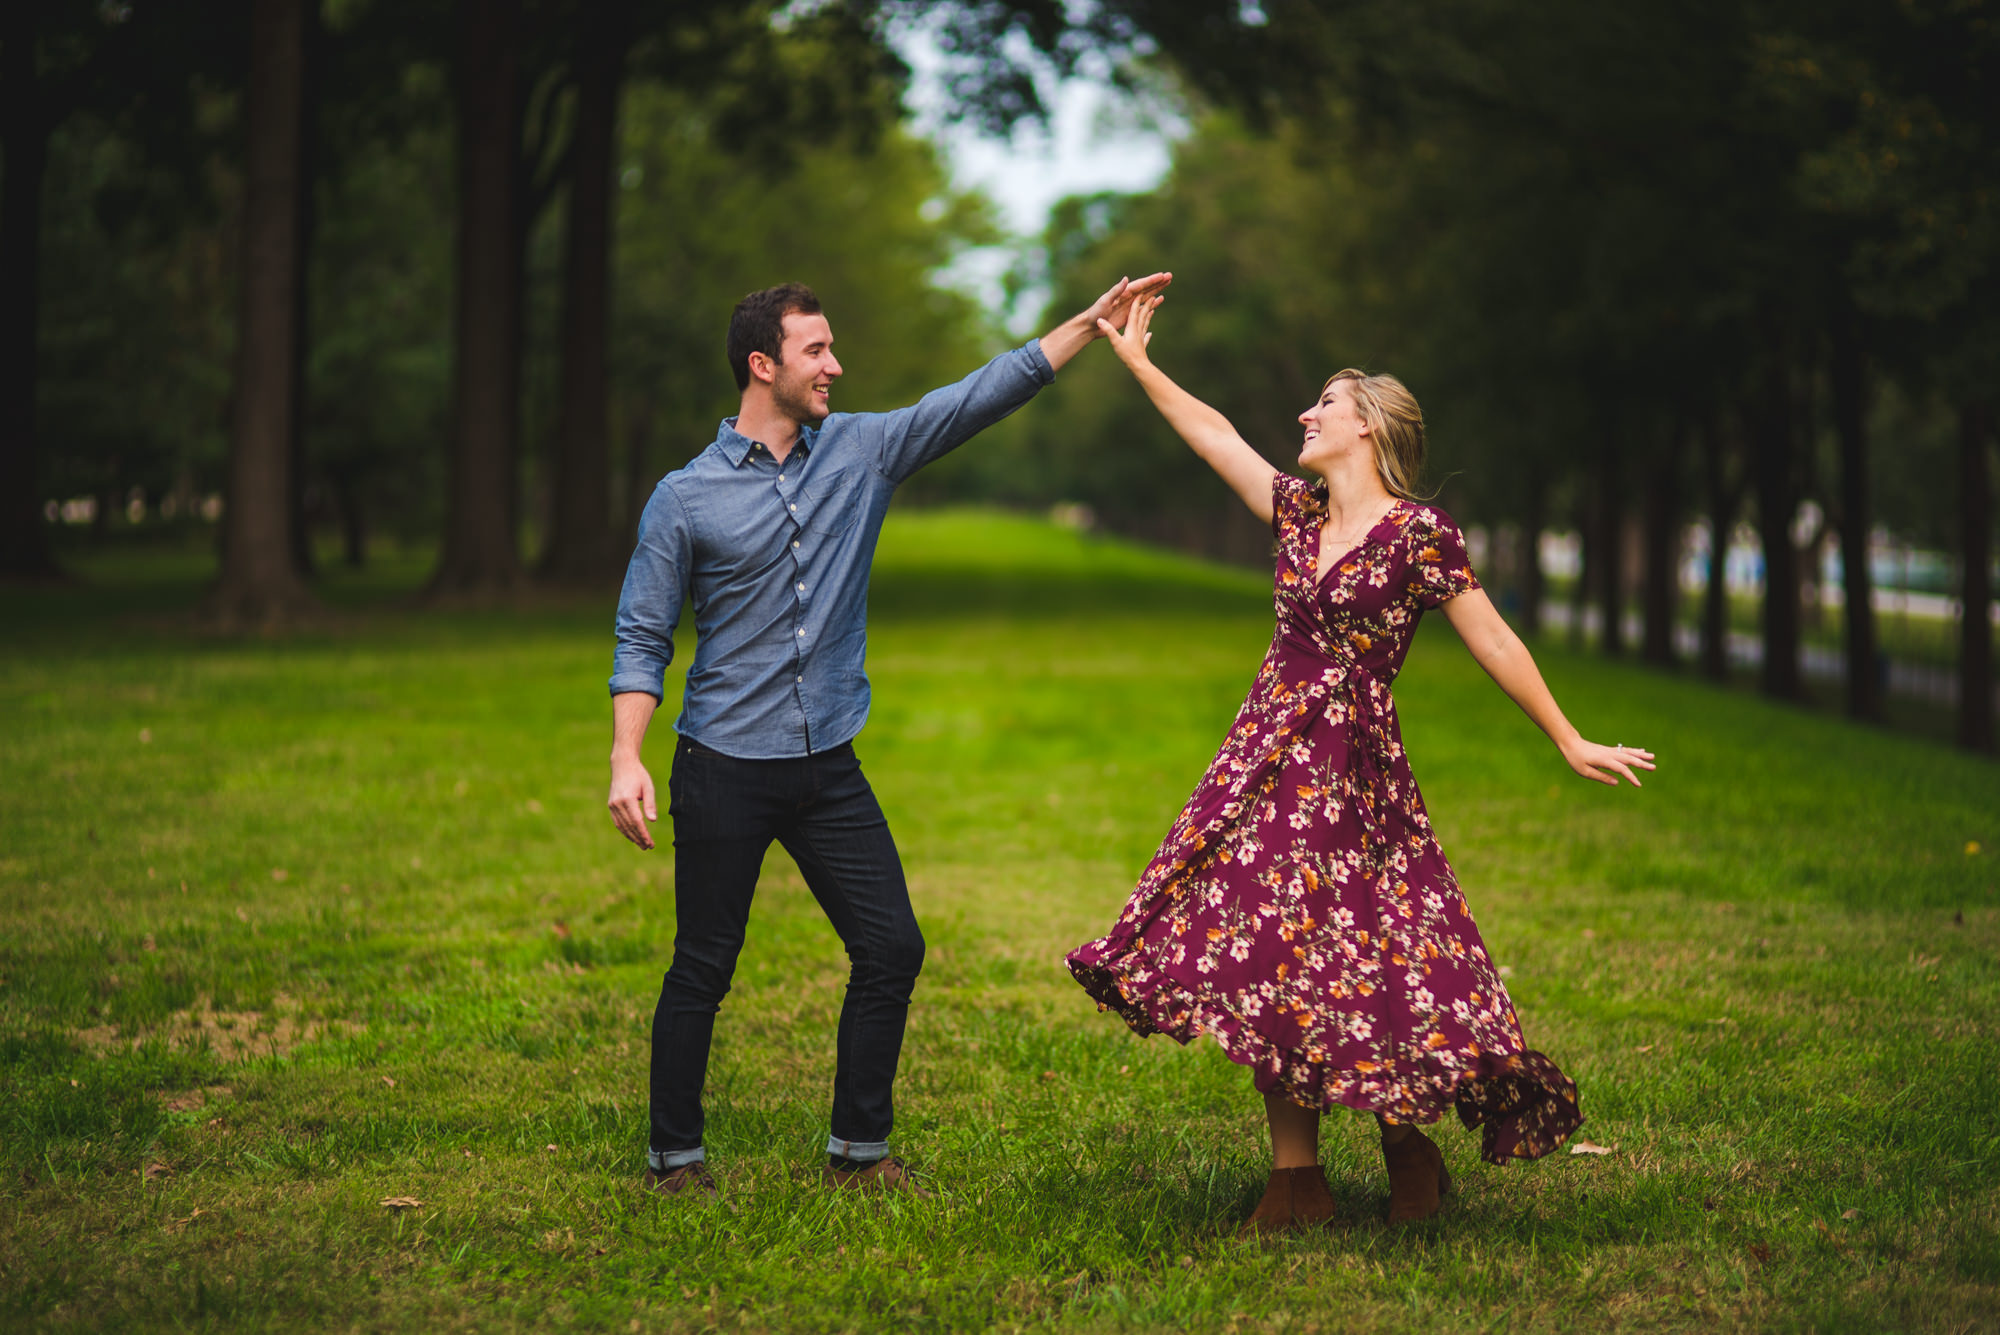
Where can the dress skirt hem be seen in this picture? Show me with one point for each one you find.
(1521, 1103)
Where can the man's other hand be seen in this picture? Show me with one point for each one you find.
(632, 803)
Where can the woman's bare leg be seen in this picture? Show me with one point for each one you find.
(1294, 1133)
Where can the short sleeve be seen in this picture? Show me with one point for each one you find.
(1440, 567)
(1288, 497)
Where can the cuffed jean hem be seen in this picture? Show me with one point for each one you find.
(665, 1161)
(858, 1151)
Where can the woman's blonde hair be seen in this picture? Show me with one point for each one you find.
(1396, 424)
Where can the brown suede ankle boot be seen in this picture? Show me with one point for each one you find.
(1294, 1199)
(1417, 1177)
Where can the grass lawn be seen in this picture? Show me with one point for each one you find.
(290, 927)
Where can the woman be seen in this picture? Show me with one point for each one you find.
(1300, 910)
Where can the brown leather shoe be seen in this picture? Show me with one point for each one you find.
(1417, 1177)
(884, 1175)
(1294, 1199)
(690, 1179)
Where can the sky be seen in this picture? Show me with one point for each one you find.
(1096, 140)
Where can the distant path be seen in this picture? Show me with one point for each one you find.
(1928, 682)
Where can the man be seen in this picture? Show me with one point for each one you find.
(771, 530)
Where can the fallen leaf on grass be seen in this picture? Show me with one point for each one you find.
(560, 928)
(401, 1202)
(1760, 1252)
(1048, 1075)
(187, 1102)
(1643, 1047)
(1850, 1214)
(279, 874)
(157, 1170)
(176, 1225)
(551, 1149)
(1587, 1147)
(389, 1080)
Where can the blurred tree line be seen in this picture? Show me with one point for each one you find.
(453, 269)
(461, 267)
(1669, 261)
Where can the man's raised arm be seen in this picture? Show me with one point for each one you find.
(946, 418)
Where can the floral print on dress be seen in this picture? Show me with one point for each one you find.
(1300, 911)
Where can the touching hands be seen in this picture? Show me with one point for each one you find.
(1606, 763)
(1114, 308)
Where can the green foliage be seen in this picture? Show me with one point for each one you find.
(1772, 972)
(866, 225)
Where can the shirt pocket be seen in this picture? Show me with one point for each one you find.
(836, 505)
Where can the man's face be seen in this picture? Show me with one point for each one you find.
(801, 384)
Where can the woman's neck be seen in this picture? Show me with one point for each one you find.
(1353, 490)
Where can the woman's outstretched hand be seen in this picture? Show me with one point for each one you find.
(1130, 342)
(1606, 763)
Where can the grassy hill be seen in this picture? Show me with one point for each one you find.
(290, 927)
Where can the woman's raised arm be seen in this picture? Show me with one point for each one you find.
(1207, 431)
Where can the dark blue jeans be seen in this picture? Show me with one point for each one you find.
(726, 812)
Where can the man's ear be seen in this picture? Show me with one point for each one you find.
(762, 367)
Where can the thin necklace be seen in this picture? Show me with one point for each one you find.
(1343, 543)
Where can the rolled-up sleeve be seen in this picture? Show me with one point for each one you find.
(656, 585)
(946, 418)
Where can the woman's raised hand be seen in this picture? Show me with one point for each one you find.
(1130, 342)
(1606, 763)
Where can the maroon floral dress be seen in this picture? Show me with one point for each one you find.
(1300, 910)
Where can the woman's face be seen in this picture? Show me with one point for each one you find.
(1333, 428)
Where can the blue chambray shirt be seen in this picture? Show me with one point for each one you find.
(777, 557)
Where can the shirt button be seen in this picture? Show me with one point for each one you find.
(802, 632)
(795, 509)
(798, 678)
(781, 477)
(795, 542)
(802, 588)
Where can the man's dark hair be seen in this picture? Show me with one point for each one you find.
(758, 325)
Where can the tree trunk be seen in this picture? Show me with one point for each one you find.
(353, 522)
(1849, 372)
(314, 58)
(1609, 556)
(1771, 450)
(259, 584)
(1721, 498)
(1534, 518)
(480, 556)
(1586, 570)
(638, 436)
(1661, 526)
(582, 541)
(1975, 527)
(24, 139)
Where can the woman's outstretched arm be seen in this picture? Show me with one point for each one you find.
(1499, 650)
(1202, 427)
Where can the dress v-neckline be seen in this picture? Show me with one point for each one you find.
(1319, 575)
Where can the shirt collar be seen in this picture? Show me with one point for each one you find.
(737, 447)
